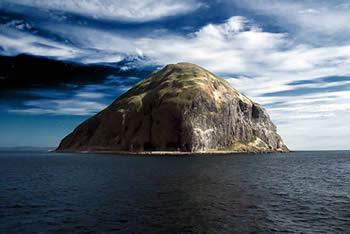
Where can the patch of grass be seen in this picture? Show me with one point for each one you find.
(239, 145)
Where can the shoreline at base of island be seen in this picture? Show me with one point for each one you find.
(164, 153)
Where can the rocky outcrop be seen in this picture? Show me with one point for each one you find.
(182, 107)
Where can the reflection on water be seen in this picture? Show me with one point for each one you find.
(294, 192)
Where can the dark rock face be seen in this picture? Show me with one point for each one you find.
(182, 107)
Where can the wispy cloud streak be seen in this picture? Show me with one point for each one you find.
(125, 10)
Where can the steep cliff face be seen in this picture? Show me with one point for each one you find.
(182, 107)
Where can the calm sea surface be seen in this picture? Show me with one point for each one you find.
(295, 192)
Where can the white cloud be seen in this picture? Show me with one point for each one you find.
(309, 11)
(19, 24)
(60, 107)
(125, 10)
(314, 21)
(90, 95)
(227, 47)
(14, 42)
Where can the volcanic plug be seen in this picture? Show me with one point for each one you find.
(181, 108)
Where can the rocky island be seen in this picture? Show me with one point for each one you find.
(183, 109)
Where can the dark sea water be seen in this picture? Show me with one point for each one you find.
(296, 192)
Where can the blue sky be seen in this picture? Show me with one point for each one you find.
(291, 56)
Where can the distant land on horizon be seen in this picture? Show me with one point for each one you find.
(25, 148)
